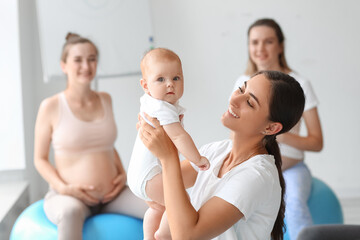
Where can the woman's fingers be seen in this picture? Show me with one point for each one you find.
(145, 133)
(87, 187)
(156, 139)
(111, 195)
(150, 133)
(80, 192)
(138, 124)
(119, 179)
(154, 121)
(76, 189)
(119, 183)
(88, 200)
(145, 126)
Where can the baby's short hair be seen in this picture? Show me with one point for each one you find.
(163, 54)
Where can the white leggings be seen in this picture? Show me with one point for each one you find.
(298, 182)
(69, 213)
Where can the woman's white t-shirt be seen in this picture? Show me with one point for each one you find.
(253, 187)
(311, 101)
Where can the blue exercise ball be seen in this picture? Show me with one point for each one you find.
(323, 204)
(33, 224)
(109, 226)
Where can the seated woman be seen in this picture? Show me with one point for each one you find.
(266, 47)
(241, 195)
(88, 176)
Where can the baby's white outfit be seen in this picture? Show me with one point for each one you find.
(143, 164)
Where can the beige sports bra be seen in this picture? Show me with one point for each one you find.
(72, 135)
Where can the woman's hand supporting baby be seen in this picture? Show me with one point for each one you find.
(160, 144)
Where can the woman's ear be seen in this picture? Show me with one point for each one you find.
(144, 85)
(273, 128)
(282, 48)
(63, 66)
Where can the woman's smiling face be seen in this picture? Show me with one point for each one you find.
(264, 48)
(81, 63)
(249, 107)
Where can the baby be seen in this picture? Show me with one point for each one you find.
(163, 83)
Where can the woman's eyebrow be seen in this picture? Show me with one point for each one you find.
(256, 99)
(252, 95)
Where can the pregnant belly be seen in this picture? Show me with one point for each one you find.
(96, 169)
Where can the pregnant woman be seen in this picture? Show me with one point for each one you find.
(87, 177)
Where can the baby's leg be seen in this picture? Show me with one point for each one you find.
(163, 233)
(127, 203)
(152, 220)
(154, 189)
(68, 213)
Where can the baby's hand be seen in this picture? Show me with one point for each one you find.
(203, 164)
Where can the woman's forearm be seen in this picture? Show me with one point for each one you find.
(305, 143)
(181, 214)
(313, 140)
(182, 217)
(49, 174)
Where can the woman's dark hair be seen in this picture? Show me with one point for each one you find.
(72, 39)
(286, 106)
(251, 66)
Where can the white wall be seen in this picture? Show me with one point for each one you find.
(322, 45)
(12, 153)
(120, 29)
(34, 90)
